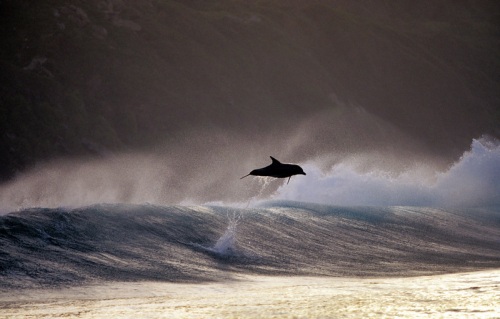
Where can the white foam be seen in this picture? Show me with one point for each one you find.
(473, 180)
(226, 243)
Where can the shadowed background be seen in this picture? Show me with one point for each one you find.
(175, 100)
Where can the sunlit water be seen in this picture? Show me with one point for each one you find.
(463, 295)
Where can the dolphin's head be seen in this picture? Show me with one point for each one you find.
(297, 170)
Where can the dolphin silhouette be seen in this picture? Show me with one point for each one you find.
(277, 170)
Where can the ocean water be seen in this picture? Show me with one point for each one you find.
(51, 248)
(281, 259)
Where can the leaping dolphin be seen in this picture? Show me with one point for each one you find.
(278, 170)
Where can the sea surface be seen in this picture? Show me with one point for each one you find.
(109, 251)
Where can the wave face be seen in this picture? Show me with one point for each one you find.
(54, 247)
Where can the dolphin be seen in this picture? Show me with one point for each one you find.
(278, 170)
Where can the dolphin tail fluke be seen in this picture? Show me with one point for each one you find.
(245, 176)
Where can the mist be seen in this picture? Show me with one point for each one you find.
(351, 157)
(473, 180)
(204, 165)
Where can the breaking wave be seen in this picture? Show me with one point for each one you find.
(101, 243)
(474, 180)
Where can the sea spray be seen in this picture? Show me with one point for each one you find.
(225, 245)
(471, 181)
(263, 182)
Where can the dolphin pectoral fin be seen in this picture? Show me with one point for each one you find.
(288, 180)
(245, 176)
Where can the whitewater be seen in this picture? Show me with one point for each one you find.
(350, 245)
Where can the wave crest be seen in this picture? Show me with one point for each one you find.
(474, 180)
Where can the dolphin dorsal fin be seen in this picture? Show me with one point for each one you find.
(275, 161)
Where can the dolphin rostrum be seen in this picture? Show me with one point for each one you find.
(278, 170)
